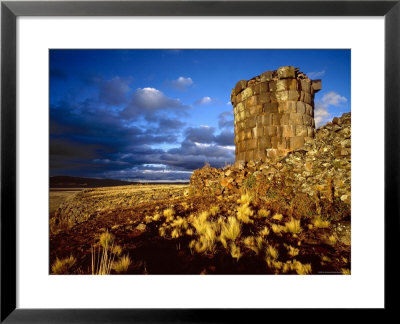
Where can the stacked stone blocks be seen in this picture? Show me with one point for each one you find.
(273, 113)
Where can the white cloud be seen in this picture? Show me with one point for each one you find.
(314, 75)
(203, 101)
(321, 112)
(185, 81)
(148, 101)
(181, 83)
(333, 98)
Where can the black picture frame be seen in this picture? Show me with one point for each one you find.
(10, 10)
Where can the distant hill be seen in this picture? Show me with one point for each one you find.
(76, 182)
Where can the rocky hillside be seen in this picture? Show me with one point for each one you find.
(321, 168)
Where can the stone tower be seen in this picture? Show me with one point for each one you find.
(274, 113)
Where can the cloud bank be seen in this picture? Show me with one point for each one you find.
(133, 134)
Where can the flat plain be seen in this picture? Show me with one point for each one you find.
(167, 229)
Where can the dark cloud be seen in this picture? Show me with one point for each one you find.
(206, 134)
(80, 133)
(202, 134)
(93, 138)
(114, 92)
(62, 147)
(225, 119)
(56, 73)
(225, 138)
(170, 124)
(191, 155)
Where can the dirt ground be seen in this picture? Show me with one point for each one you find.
(136, 217)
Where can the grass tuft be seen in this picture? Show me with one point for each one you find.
(169, 214)
(106, 239)
(292, 251)
(244, 212)
(122, 264)
(272, 252)
(319, 223)
(63, 266)
(277, 217)
(235, 251)
(293, 226)
(264, 213)
(214, 210)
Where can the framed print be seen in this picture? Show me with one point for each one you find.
(199, 154)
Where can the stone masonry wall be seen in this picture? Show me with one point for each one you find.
(273, 113)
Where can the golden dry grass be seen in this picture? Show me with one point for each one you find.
(233, 225)
(63, 266)
(80, 206)
(293, 226)
(122, 264)
(320, 223)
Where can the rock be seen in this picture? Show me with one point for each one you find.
(316, 85)
(242, 84)
(285, 72)
(141, 227)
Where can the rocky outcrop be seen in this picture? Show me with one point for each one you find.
(321, 166)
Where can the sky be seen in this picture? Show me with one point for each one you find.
(157, 115)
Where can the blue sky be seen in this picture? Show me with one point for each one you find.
(159, 114)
